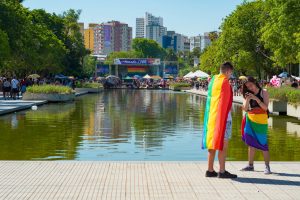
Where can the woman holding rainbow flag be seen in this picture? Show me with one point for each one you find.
(255, 122)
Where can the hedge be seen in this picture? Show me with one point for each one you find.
(49, 89)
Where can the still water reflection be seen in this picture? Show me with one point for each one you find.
(129, 125)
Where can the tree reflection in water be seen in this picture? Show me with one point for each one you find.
(130, 125)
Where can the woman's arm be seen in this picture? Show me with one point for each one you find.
(246, 104)
(264, 105)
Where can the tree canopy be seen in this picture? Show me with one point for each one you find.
(256, 37)
(34, 41)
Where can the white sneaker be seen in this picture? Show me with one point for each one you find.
(267, 170)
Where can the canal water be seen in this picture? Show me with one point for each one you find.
(130, 125)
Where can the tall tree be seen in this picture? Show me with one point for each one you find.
(282, 30)
(239, 41)
(148, 48)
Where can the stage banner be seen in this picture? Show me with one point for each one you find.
(139, 61)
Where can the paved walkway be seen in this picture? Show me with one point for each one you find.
(143, 180)
(10, 106)
(236, 99)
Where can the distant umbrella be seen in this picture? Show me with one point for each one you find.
(242, 77)
(284, 75)
(34, 76)
(156, 77)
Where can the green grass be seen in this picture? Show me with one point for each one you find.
(93, 85)
(288, 94)
(49, 89)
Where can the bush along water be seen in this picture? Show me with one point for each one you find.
(49, 89)
(288, 94)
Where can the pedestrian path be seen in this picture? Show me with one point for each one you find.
(143, 180)
(10, 106)
(236, 99)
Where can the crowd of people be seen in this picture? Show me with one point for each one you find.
(236, 84)
(12, 87)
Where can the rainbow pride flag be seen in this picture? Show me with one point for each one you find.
(218, 105)
(255, 128)
(136, 69)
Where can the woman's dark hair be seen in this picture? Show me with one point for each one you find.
(244, 87)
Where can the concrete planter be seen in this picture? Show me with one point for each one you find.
(49, 97)
(293, 110)
(89, 90)
(277, 107)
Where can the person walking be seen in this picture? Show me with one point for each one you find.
(255, 122)
(217, 126)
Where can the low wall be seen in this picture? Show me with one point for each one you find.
(89, 90)
(277, 107)
(49, 97)
(293, 110)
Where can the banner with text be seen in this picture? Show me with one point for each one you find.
(134, 61)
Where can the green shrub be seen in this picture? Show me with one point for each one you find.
(277, 93)
(178, 86)
(293, 96)
(50, 89)
(288, 94)
(94, 85)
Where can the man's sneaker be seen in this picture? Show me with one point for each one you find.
(267, 170)
(226, 174)
(211, 174)
(248, 168)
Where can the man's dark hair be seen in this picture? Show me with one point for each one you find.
(226, 66)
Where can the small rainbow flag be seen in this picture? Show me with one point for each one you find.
(218, 105)
(136, 69)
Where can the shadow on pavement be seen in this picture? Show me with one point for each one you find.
(283, 174)
(267, 181)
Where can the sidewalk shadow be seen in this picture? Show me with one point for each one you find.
(266, 181)
(283, 174)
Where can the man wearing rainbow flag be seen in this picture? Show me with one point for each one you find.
(218, 121)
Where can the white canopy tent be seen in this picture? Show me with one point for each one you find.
(189, 75)
(147, 77)
(200, 74)
(295, 77)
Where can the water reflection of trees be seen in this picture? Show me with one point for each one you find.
(284, 144)
(148, 116)
(51, 132)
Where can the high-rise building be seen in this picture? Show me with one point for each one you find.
(175, 41)
(140, 28)
(89, 37)
(187, 44)
(195, 42)
(112, 36)
(150, 27)
(151, 19)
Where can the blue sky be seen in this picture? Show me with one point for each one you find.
(188, 17)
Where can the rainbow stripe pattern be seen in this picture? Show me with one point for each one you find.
(136, 69)
(255, 128)
(218, 105)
